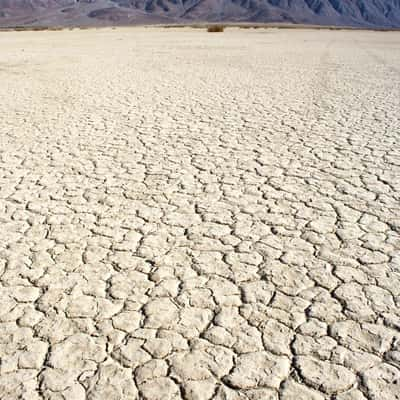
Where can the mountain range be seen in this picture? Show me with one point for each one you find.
(358, 13)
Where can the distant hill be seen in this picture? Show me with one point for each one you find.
(359, 13)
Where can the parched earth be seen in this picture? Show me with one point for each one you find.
(187, 215)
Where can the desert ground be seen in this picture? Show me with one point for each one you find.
(193, 215)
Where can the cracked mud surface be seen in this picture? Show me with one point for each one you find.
(201, 216)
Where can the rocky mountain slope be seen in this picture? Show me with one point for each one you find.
(373, 13)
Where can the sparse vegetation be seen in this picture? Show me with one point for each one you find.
(210, 28)
(33, 28)
(215, 28)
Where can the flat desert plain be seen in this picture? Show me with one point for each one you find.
(193, 215)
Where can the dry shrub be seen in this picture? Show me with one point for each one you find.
(30, 28)
(215, 28)
(36, 28)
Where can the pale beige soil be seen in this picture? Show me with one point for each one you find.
(193, 215)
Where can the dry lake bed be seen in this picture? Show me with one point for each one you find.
(193, 215)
